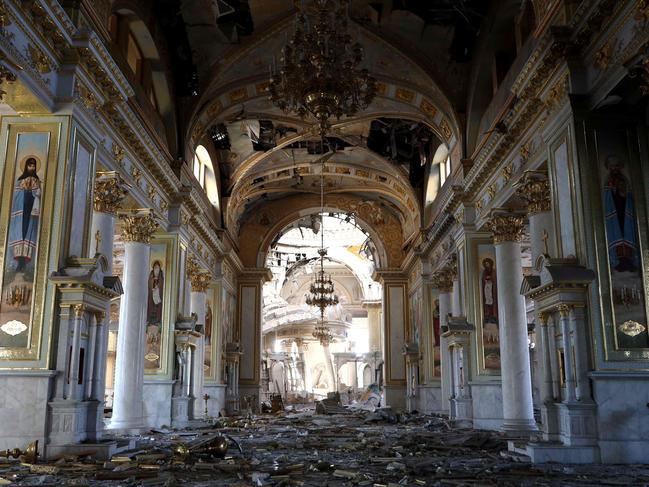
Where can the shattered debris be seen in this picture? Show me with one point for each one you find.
(380, 448)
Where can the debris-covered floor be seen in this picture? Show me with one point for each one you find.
(376, 448)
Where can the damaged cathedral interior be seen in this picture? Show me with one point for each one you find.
(324, 242)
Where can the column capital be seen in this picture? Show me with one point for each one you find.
(110, 190)
(139, 225)
(389, 274)
(506, 227)
(543, 317)
(78, 309)
(534, 188)
(564, 310)
(199, 278)
(443, 280)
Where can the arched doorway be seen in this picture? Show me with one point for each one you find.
(288, 321)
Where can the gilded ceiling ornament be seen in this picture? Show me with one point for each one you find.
(136, 174)
(40, 61)
(642, 11)
(5, 18)
(536, 192)
(604, 55)
(506, 228)
(152, 192)
(491, 191)
(446, 129)
(185, 218)
(164, 206)
(118, 154)
(110, 190)
(525, 150)
(139, 226)
(557, 92)
(87, 97)
(8, 76)
(507, 172)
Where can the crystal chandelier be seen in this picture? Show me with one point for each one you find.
(322, 292)
(320, 71)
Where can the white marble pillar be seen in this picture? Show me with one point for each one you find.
(73, 372)
(109, 193)
(129, 367)
(518, 414)
(443, 282)
(577, 329)
(547, 395)
(91, 358)
(554, 357)
(569, 385)
(200, 281)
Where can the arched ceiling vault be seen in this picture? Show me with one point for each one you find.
(237, 92)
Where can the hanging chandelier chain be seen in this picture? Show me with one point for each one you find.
(320, 67)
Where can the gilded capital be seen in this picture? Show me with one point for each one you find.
(139, 225)
(543, 317)
(78, 309)
(564, 310)
(443, 280)
(199, 278)
(536, 192)
(110, 190)
(506, 228)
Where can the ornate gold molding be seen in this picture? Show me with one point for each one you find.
(110, 190)
(536, 192)
(118, 154)
(40, 61)
(506, 228)
(543, 317)
(139, 226)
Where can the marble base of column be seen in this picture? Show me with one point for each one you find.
(395, 396)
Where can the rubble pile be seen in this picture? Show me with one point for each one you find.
(379, 448)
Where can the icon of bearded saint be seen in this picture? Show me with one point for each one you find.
(25, 214)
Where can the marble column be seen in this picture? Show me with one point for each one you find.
(395, 292)
(139, 225)
(564, 312)
(549, 418)
(518, 414)
(200, 280)
(577, 323)
(443, 281)
(109, 192)
(248, 331)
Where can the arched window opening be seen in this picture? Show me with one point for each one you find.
(205, 174)
(442, 161)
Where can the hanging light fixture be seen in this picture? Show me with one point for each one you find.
(320, 71)
(322, 292)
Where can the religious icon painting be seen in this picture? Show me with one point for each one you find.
(437, 357)
(623, 243)
(488, 309)
(155, 306)
(209, 328)
(26, 171)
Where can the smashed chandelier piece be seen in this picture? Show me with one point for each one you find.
(320, 72)
(322, 291)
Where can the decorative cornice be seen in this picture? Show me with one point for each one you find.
(139, 225)
(110, 191)
(506, 228)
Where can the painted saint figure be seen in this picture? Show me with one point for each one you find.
(489, 291)
(156, 288)
(620, 219)
(25, 213)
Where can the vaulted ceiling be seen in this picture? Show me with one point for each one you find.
(419, 52)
